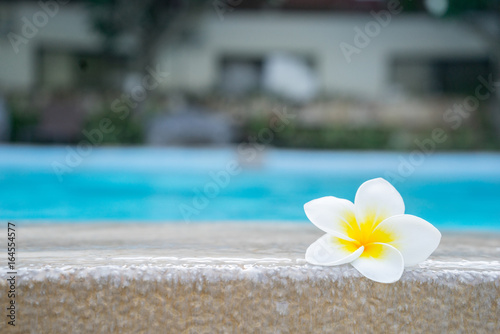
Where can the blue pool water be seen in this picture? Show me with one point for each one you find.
(177, 184)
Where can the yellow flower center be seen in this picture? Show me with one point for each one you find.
(364, 234)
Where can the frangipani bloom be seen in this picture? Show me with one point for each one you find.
(373, 234)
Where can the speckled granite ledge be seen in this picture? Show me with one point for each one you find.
(234, 278)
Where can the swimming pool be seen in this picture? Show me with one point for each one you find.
(39, 184)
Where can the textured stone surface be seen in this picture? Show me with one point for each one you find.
(217, 278)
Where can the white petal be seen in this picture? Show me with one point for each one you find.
(414, 237)
(386, 267)
(331, 214)
(377, 200)
(330, 251)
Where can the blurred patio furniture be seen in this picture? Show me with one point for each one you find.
(4, 121)
(190, 126)
(61, 120)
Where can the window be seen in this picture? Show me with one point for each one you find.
(429, 75)
(74, 69)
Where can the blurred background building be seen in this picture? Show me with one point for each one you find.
(356, 74)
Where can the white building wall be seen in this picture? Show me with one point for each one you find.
(193, 66)
(67, 28)
(319, 36)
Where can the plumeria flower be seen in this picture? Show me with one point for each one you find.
(373, 234)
